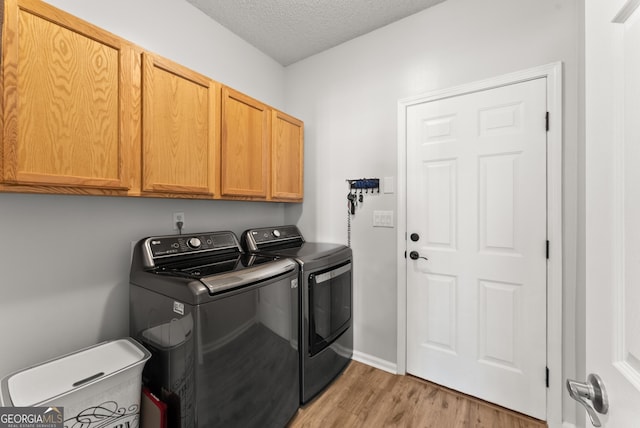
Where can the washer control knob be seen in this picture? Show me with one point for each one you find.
(276, 233)
(194, 243)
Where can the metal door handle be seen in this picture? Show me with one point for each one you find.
(592, 395)
(414, 255)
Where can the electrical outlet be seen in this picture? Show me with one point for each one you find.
(176, 218)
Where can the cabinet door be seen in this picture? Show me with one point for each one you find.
(66, 107)
(287, 137)
(178, 128)
(245, 146)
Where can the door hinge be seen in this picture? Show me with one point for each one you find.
(547, 121)
(547, 376)
(547, 249)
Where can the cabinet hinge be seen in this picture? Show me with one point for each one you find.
(547, 121)
(547, 249)
(547, 376)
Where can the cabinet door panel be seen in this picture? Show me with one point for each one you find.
(245, 145)
(64, 124)
(178, 133)
(287, 138)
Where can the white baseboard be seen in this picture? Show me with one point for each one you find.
(376, 362)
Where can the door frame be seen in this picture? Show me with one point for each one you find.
(553, 73)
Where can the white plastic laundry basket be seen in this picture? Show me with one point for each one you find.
(98, 386)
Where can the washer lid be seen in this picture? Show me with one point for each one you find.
(251, 275)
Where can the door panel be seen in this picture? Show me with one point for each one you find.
(629, 325)
(440, 316)
(476, 180)
(499, 308)
(612, 205)
(440, 204)
(497, 215)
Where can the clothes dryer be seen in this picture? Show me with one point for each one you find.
(326, 300)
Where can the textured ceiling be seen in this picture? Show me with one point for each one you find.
(291, 30)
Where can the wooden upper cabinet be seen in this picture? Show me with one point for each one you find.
(180, 125)
(66, 97)
(244, 146)
(287, 144)
(84, 111)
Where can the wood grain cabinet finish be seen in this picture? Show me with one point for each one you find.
(67, 102)
(287, 144)
(244, 146)
(87, 112)
(180, 126)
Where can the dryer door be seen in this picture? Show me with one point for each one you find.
(329, 305)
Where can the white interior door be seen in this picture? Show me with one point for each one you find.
(613, 205)
(476, 200)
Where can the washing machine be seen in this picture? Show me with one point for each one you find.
(222, 328)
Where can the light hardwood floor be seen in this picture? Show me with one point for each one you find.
(367, 397)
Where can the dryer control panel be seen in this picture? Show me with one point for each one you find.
(265, 237)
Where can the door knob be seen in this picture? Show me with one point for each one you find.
(414, 255)
(592, 395)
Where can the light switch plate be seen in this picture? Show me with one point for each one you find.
(383, 219)
(388, 185)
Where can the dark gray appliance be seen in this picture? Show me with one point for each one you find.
(222, 327)
(326, 295)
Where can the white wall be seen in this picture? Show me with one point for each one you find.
(65, 259)
(348, 98)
